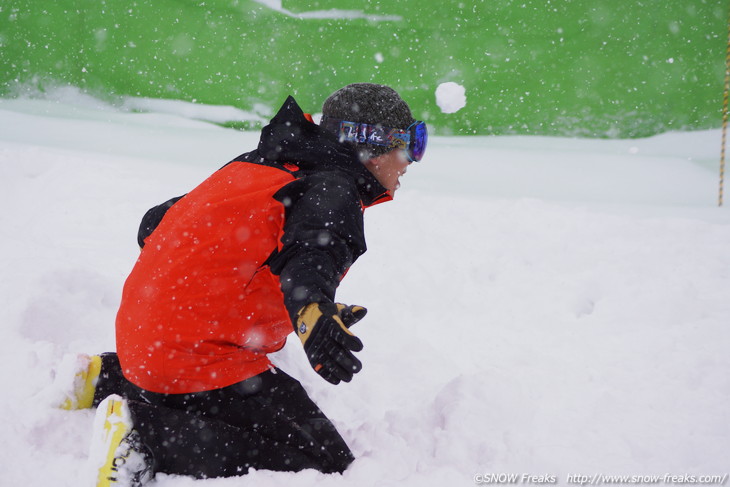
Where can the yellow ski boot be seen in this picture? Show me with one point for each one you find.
(81, 394)
(117, 455)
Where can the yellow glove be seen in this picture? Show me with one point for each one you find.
(323, 330)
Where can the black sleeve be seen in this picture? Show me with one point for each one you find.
(152, 218)
(323, 236)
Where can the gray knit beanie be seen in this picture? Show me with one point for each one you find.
(368, 103)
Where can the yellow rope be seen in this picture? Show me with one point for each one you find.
(724, 115)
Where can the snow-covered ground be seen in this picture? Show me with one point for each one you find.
(537, 305)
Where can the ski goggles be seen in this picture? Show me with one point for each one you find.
(412, 139)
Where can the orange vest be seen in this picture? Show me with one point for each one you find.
(200, 310)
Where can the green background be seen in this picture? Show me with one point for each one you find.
(618, 68)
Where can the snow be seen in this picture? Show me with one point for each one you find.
(538, 306)
(450, 97)
(276, 5)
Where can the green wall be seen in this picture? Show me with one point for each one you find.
(619, 68)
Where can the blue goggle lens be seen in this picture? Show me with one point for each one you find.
(419, 139)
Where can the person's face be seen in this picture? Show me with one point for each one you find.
(388, 168)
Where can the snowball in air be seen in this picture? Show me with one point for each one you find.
(450, 97)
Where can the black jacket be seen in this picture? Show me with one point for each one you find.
(323, 228)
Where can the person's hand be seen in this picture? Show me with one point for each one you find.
(323, 330)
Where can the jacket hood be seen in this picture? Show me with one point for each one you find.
(293, 139)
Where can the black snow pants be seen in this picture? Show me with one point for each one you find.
(265, 422)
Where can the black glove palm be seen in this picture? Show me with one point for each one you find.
(323, 330)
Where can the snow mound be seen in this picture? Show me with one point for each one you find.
(536, 305)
